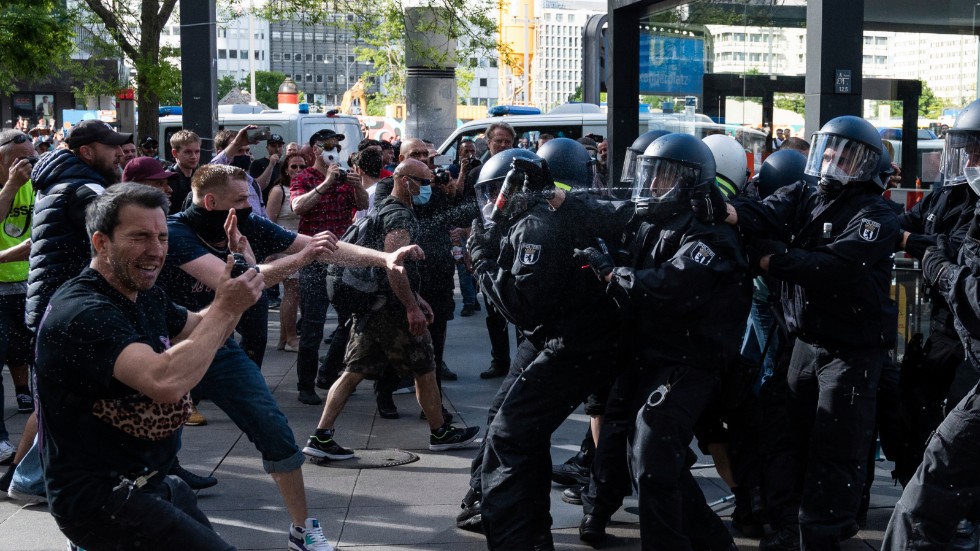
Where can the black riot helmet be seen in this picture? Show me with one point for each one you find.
(961, 153)
(638, 147)
(671, 168)
(885, 169)
(782, 168)
(492, 176)
(569, 163)
(846, 149)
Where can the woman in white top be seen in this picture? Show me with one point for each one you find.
(281, 212)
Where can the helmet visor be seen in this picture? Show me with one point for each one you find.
(660, 180)
(629, 166)
(842, 159)
(961, 156)
(486, 198)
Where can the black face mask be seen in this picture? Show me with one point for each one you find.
(210, 224)
(241, 161)
(830, 189)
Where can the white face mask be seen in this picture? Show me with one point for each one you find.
(328, 157)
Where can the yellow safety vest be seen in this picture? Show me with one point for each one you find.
(17, 229)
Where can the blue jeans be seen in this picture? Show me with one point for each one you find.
(160, 515)
(28, 476)
(235, 384)
(467, 285)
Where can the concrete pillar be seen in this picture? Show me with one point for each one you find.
(430, 86)
(834, 47)
(623, 125)
(198, 65)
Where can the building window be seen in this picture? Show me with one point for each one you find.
(881, 41)
(493, 62)
(276, 57)
(243, 54)
(330, 79)
(319, 57)
(319, 78)
(276, 35)
(309, 77)
(558, 17)
(297, 57)
(868, 40)
(483, 82)
(232, 54)
(222, 54)
(257, 54)
(309, 57)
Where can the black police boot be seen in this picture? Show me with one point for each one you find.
(743, 520)
(572, 472)
(447, 374)
(386, 407)
(195, 481)
(470, 518)
(543, 542)
(787, 538)
(573, 495)
(592, 529)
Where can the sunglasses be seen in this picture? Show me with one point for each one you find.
(18, 139)
(297, 166)
(419, 181)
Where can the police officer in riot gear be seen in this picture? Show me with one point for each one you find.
(731, 166)
(524, 265)
(633, 152)
(831, 246)
(570, 164)
(939, 504)
(685, 284)
(929, 370)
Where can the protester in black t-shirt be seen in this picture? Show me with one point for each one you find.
(134, 356)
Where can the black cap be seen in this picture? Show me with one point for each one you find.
(149, 141)
(324, 135)
(96, 131)
(275, 138)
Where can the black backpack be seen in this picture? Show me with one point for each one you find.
(360, 290)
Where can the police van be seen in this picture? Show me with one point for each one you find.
(581, 119)
(293, 127)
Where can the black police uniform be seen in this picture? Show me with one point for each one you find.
(536, 283)
(836, 278)
(927, 373)
(946, 486)
(689, 292)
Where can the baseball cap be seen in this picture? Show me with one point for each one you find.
(149, 141)
(145, 168)
(589, 143)
(95, 131)
(275, 138)
(324, 135)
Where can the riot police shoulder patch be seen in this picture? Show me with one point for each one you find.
(702, 253)
(869, 229)
(529, 253)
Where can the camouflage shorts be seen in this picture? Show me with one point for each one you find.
(385, 342)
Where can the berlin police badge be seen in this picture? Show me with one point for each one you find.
(869, 229)
(702, 254)
(530, 253)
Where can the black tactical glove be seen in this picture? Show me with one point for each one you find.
(708, 204)
(600, 262)
(936, 262)
(756, 248)
(538, 177)
(483, 244)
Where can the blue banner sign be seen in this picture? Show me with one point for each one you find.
(670, 65)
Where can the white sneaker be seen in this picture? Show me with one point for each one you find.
(6, 451)
(28, 499)
(308, 538)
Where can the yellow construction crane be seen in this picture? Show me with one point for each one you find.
(354, 102)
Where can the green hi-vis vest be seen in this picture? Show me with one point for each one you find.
(17, 229)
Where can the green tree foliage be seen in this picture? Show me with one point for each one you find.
(266, 86)
(35, 40)
(133, 29)
(930, 106)
(790, 102)
(225, 84)
(380, 25)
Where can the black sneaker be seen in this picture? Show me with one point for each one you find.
(309, 398)
(387, 408)
(449, 437)
(326, 448)
(446, 374)
(195, 481)
(592, 529)
(573, 495)
(786, 538)
(468, 310)
(496, 370)
(25, 403)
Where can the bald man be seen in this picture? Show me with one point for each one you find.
(396, 334)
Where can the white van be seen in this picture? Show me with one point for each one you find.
(293, 127)
(577, 120)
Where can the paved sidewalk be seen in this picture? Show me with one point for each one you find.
(408, 507)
